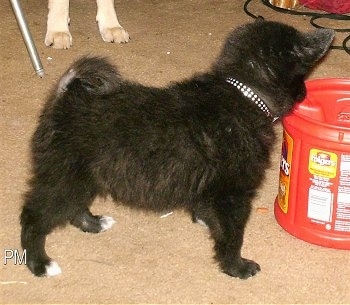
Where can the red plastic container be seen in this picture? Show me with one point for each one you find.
(313, 201)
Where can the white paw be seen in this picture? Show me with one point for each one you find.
(106, 223)
(53, 269)
(115, 34)
(58, 40)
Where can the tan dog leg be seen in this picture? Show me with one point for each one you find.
(58, 35)
(109, 26)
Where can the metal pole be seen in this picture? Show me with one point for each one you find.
(27, 37)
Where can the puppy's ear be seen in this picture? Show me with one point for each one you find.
(317, 44)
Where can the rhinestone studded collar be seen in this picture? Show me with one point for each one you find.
(249, 93)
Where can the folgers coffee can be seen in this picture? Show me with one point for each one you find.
(313, 201)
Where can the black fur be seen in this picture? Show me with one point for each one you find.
(198, 145)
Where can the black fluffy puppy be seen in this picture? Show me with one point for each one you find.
(201, 145)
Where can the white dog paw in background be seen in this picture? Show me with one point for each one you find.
(108, 24)
(58, 35)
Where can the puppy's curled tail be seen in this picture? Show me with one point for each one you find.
(93, 74)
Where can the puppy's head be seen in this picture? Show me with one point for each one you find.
(274, 59)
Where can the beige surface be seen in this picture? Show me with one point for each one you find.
(145, 258)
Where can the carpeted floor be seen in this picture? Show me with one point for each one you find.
(148, 258)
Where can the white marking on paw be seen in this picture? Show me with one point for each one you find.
(106, 222)
(53, 269)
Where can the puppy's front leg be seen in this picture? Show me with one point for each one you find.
(226, 219)
(108, 24)
(57, 34)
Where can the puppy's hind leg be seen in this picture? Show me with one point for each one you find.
(33, 237)
(47, 207)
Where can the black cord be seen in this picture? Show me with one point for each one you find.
(314, 16)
